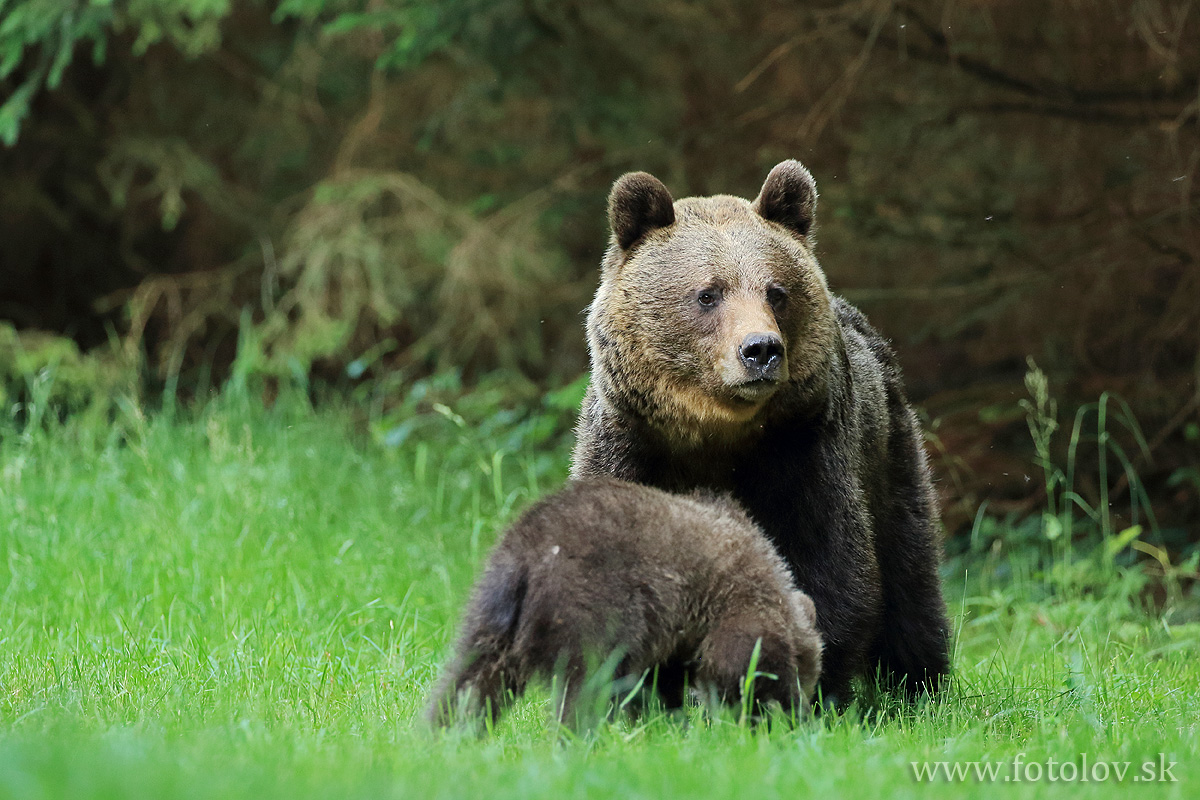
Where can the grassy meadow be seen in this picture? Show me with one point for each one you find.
(238, 602)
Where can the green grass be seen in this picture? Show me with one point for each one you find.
(254, 604)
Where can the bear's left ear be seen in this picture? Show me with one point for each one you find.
(638, 204)
(789, 197)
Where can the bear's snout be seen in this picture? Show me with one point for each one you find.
(762, 356)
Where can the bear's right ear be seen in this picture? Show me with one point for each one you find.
(638, 203)
(789, 197)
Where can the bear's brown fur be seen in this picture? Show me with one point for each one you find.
(720, 360)
(681, 585)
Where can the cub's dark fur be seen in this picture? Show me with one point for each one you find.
(685, 584)
(720, 360)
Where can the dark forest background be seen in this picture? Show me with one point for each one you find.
(365, 194)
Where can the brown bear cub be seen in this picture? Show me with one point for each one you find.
(680, 590)
(721, 361)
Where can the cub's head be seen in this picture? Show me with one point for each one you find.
(709, 307)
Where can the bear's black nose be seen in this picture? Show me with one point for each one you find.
(762, 353)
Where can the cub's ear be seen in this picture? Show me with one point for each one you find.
(638, 204)
(789, 197)
(805, 604)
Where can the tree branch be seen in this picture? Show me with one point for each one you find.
(942, 52)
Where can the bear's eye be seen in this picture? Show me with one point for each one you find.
(777, 296)
(708, 297)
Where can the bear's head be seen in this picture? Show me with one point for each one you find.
(710, 307)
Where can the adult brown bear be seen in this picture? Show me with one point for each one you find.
(720, 360)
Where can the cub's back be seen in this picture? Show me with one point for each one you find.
(610, 537)
(603, 518)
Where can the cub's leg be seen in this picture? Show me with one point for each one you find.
(487, 671)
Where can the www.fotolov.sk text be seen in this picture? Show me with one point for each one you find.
(1018, 770)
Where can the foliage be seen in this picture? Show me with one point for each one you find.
(40, 37)
(1062, 496)
(419, 187)
(385, 248)
(44, 374)
(1091, 528)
